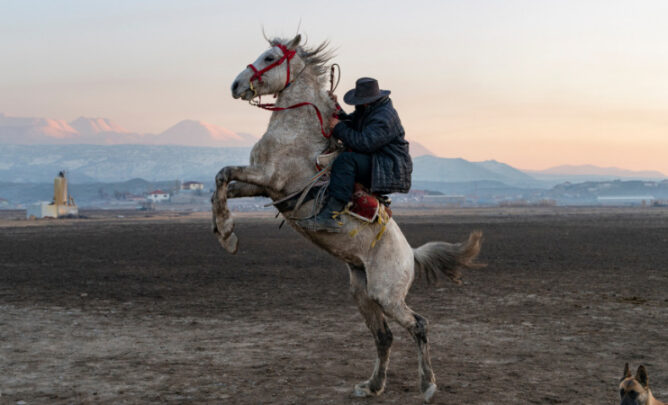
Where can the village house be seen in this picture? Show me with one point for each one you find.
(158, 196)
(192, 186)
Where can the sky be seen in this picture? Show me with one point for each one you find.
(532, 83)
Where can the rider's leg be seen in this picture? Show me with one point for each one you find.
(348, 168)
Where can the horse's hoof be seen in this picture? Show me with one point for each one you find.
(363, 390)
(429, 393)
(231, 243)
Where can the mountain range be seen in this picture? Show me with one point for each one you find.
(113, 163)
(100, 150)
(102, 131)
(457, 170)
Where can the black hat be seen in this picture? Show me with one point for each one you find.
(366, 91)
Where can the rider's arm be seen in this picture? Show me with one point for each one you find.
(343, 116)
(373, 136)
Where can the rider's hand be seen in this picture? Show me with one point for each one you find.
(332, 122)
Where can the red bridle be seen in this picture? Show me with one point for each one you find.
(287, 56)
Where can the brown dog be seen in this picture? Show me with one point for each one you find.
(635, 390)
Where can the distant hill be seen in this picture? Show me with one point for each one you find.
(113, 163)
(117, 163)
(506, 171)
(580, 173)
(456, 170)
(198, 133)
(102, 131)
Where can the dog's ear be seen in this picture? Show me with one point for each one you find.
(627, 372)
(641, 376)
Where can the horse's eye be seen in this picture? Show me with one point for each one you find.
(269, 59)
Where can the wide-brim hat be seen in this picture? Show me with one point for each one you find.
(366, 91)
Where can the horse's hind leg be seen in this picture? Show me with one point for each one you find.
(417, 326)
(375, 321)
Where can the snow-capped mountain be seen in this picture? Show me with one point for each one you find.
(22, 130)
(102, 131)
(94, 126)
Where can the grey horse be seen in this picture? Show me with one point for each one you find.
(282, 163)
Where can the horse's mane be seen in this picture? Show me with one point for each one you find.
(316, 57)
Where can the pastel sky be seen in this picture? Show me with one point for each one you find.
(532, 83)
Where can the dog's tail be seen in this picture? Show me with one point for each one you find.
(447, 258)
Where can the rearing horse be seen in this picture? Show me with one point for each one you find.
(282, 162)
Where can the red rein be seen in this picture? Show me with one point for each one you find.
(257, 74)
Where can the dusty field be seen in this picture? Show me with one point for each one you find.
(151, 310)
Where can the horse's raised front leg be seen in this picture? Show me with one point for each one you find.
(253, 179)
(375, 321)
(240, 189)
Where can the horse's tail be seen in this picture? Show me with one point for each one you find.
(448, 258)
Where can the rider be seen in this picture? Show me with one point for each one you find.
(376, 152)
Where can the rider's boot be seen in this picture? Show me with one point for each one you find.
(327, 218)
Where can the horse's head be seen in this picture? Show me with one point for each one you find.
(271, 72)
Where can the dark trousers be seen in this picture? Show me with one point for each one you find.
(349, 168)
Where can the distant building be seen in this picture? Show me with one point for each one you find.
(192, 186)
(4, 202)
(158, 196)
(62, 204)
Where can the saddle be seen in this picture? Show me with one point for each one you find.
(365, 206)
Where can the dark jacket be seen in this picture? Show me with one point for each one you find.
(376, 130)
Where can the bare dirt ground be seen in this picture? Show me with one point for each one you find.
(126, 310)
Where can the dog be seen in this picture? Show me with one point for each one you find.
(635, 390)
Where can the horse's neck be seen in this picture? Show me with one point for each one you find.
(305, 87)
(303, 120)
(298, 131)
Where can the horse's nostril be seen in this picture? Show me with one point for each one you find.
(235, 85)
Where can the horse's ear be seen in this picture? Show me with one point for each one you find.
(641, 376)
(265, 36)
(627, 372)
(295, 42)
